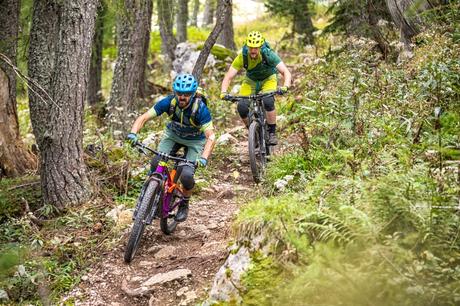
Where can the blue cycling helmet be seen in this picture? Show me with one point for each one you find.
(185, 83)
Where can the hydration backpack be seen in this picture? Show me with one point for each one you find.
(197, 100)
(263, 50)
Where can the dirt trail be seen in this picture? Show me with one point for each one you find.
(194, 252)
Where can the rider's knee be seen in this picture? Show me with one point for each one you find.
(186, 178)
(243, 108)
(269, 103)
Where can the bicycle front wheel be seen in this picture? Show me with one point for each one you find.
(145, 206)
(256, 150)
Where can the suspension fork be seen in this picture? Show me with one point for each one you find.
(262, 118)
(169, 188)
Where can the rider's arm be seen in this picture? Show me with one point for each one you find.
(159, 108)
(210, 141)
(285, 73)
(141, 120)
(231, 73)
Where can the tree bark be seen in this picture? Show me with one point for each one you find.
(59, 57)
(165, 19)
(130, 65)
(222, 9)
(15, 159)
(409, 25)
(227, 36)
(182, 19)
(145, 56)
(208, 15)
(95, 70)
(194, 17)
(373, 18)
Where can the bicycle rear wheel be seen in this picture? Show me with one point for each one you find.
(167, 222)
(145, 206)
(256, 151)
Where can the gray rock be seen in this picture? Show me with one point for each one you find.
(212, 225)
(190, 296)
(200, 228)
(155, 248)
(223, 288)
(161, 278)
(4, 295)
(165, 252)
(181, 291)
(226, 139)
(186, 56)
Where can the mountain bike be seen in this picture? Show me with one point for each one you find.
(258, 146)
(159, 198)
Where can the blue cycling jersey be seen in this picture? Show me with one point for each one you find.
(180, 121)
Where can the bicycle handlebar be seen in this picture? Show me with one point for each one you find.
(252, 97)
(143, 147)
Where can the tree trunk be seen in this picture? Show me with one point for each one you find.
(222, 11)
(145, 56)
(15, 159)
(130, 65)
(373, 16)
(182, 19)
(408, 24)
(196, 9)
(208, 16)
(227, 35)
(95, 70)
(303, 24)
(165, 19)
(59, 57)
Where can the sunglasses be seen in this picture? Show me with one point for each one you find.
(185, 94)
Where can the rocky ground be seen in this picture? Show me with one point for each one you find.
(176, 269)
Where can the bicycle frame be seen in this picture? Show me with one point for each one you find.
(165, 178)
(258, 145)
(168, 186)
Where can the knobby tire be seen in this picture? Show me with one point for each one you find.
(139, 222)
(256, 158)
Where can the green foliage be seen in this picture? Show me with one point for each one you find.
(355, 16)
(369, 215)
(16, 192)
(258, 281)
(265, 26)
(222, 53)
(300, 12)
(9, 258)
(25, 22)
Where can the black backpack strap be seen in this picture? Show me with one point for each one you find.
(245, 57)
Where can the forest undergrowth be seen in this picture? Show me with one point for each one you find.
(365, 207)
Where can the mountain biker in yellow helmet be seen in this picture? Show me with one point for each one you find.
(262, 65)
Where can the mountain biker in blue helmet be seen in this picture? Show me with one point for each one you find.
(190, 127)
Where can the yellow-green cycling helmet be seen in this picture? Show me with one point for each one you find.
(255, 39)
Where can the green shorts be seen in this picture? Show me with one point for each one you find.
(195, 147)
